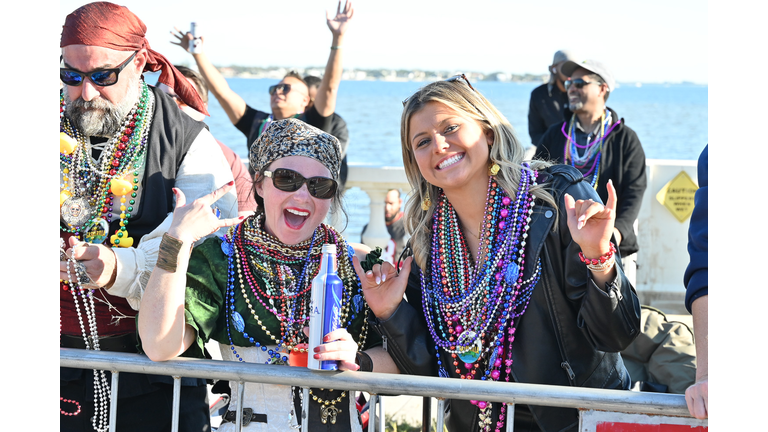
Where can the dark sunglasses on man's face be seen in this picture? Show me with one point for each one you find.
(290, 181)
(282, 88)
(578, 83)
(99, 77)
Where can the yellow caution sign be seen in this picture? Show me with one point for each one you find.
(677, 196)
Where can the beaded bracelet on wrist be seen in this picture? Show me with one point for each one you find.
(599, 260)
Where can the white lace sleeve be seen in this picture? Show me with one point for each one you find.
(203, 170)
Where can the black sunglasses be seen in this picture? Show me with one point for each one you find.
(100, 77)
(578, 83)
(459, 77)
(283, 88)
(290, 181)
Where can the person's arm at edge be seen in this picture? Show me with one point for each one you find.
(697, 395)
(325, 101)
(232, 103)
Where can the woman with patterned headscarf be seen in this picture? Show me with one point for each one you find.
(250, 289)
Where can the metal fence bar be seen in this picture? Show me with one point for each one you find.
(378, 383)
(305, 410)
(176, 404)
(240, 401)
(372, 413)
(440, 415)
(113, 401)
(511, 417)
(426, 414)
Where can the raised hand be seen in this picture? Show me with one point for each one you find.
(383, 287)
(195, 220)
(183, 39)
(339, 23)
(591, 223)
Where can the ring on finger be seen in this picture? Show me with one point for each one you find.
(82, 274)
(216, 212)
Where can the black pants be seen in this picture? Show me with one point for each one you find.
(147, 412)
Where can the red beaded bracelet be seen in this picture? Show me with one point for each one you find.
(599, 260)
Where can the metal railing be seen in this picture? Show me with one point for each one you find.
(374, 384)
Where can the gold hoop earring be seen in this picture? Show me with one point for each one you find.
(426, 202)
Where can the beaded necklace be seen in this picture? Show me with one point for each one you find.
(592, 152)
(89, 188)
(101, 387)
(471, 310)
(85, 189)
(279, 277)
(255, 258)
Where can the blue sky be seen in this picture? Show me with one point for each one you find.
(645, 41)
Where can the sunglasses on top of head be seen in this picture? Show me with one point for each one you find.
(288, 180)
(459, 77)
(579, 83)
(99, 77)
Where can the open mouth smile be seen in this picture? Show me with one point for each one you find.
(450, 161)
(295, 218)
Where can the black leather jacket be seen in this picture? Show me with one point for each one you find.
(570, 334)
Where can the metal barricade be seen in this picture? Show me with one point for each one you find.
(373, 383)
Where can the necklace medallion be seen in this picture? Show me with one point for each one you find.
(76, 211)
(96, 232)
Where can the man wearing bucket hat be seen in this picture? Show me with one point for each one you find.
(594, 139)
(125, 147)
(549, 101)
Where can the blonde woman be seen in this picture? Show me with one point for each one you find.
(513, 273)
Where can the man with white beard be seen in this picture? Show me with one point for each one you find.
(126, 153)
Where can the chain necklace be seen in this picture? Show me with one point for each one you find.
(89, 188)
(471, 310)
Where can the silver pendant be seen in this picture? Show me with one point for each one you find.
(76, 211)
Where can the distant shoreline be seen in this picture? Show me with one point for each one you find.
(401, 75)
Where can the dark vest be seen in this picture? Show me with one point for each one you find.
(170, 136)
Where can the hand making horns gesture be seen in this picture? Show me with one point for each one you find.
(591, 223)
(195, 220)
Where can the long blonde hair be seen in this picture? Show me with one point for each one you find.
(506, 151)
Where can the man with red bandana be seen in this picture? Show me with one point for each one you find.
(124, 147)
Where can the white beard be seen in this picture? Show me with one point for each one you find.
(100, 117)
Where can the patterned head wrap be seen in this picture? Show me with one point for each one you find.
(292, 137)
(111, 26)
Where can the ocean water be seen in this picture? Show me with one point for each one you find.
(671, 121)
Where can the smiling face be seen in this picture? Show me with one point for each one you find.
(293, 216)
(450, 149)
(293, 102)
(99, 110)
(588, 99)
